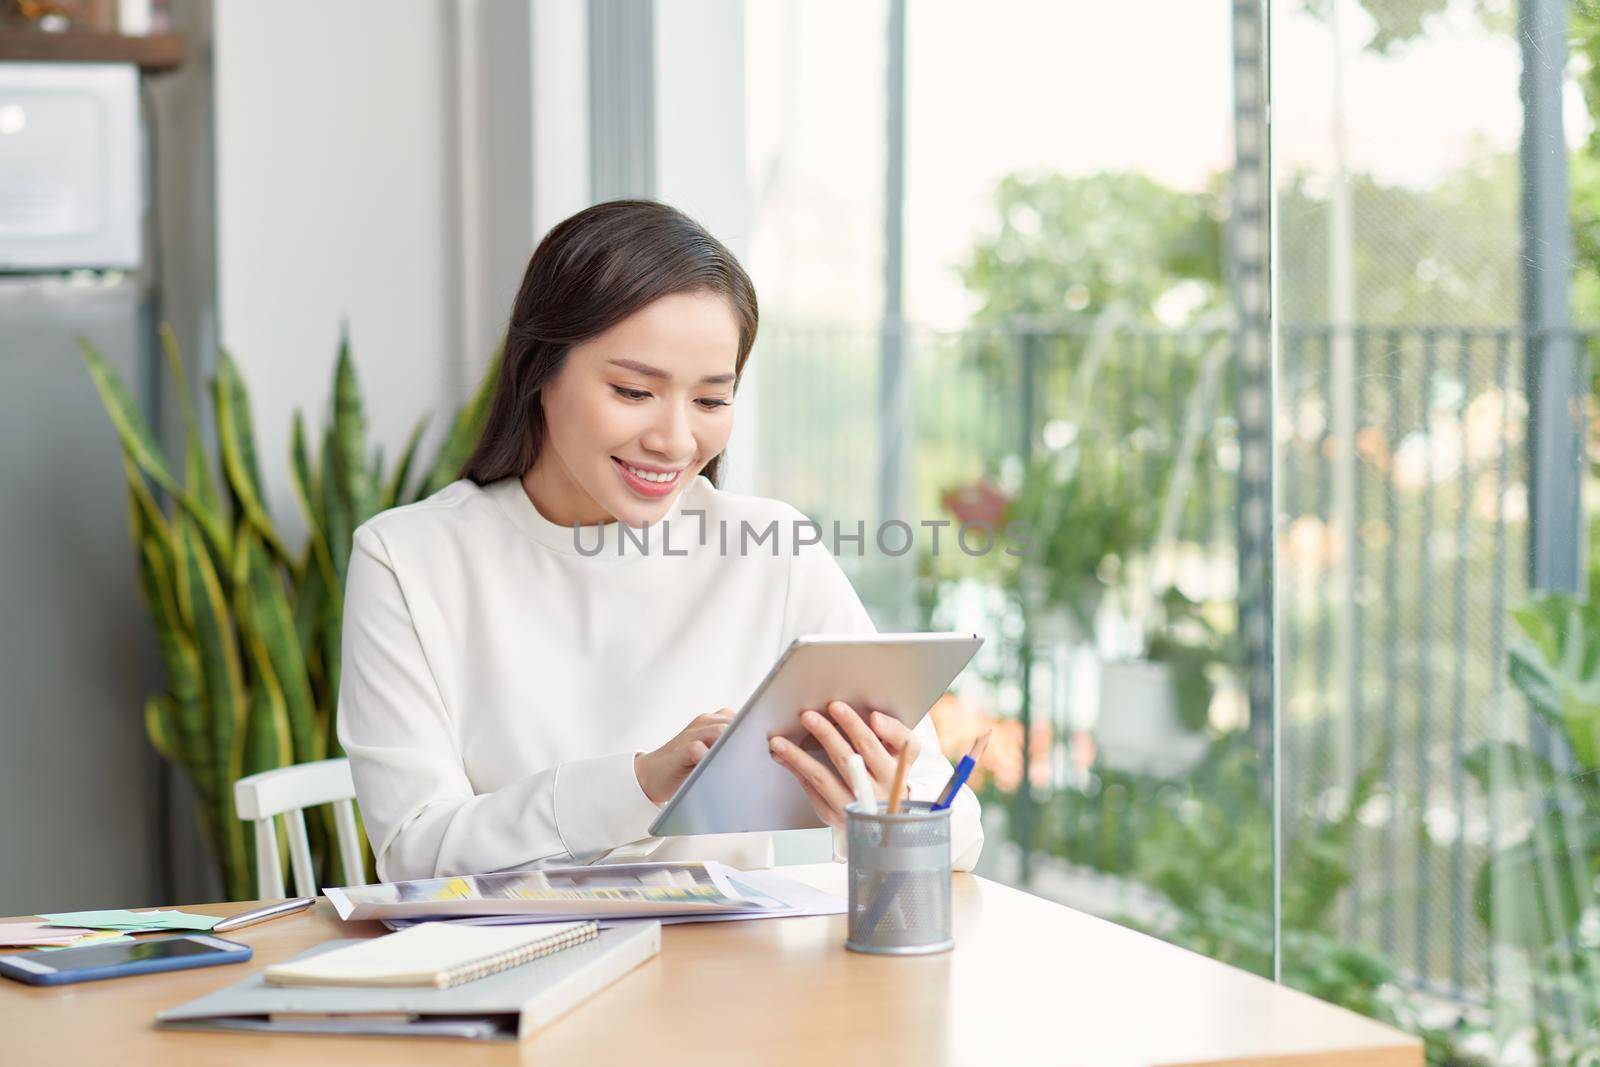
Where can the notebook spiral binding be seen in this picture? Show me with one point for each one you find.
(504, 961)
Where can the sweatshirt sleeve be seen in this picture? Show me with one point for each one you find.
(822, 600)
(420, 809)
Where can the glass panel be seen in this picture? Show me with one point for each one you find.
(1072, 376)
(816, 159)
(1437, 734)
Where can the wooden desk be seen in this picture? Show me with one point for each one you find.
(1029, 982)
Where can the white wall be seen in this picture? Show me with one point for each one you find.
(335, 136)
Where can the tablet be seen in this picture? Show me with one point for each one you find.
(737, 788)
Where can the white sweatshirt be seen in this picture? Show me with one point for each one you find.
(500, 672)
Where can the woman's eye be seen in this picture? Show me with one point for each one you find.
(707, 403)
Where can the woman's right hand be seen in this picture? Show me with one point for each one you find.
(662, 771)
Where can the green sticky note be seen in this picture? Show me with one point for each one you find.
(94, 920)
(181, 920)
(134, 921)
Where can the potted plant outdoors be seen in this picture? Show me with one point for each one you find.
(1154, 712)
(1072, 521)
(1082, 514)
(1086, 515)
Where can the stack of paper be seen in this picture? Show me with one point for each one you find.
(72, 929)
(666, 892)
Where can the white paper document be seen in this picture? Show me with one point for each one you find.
(669, 892)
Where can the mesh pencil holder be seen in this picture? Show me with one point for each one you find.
(899, 874)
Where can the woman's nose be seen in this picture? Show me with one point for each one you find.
(670, 437)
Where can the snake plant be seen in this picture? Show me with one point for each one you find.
(248, 629)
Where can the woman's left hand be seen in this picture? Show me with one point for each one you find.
(841, 732)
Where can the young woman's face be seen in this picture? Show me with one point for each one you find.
(634, 414)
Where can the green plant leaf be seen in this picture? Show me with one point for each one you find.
(300, 472)
(159, 726)
(332, 642)
(178, 655)
(309, 594)
(196, 471)
(237, 439)
(159, 581)
(1502, 767)
(396, 488)
(308, 486)
(137, 440)
(153, 546)
(268, 619)
(1190, 683)
(268, 738)
(139, 444)
(145, 518)
(1556, 666)
(348, 439)
(222, 681)
(265, 748)
(1542, 620)
(464, 431)
(339, 523)
(1534, 892)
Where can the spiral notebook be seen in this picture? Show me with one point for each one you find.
(436, 955)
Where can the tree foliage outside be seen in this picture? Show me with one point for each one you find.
(1447, 255)
(1401, 22)
(1069, 249)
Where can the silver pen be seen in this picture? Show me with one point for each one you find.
(261, 915)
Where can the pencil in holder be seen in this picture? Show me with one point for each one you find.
(899, 875)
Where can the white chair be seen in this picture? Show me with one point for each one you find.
(288, 791)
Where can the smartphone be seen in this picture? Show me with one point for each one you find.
(146, 956)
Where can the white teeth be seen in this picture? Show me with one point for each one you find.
(648, 476)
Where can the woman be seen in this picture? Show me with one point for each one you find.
(527, 674)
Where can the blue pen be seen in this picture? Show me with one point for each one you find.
(964, 769)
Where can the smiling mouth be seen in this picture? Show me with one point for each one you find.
(645, 480)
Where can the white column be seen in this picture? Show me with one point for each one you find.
(559, 61)
(701, 157)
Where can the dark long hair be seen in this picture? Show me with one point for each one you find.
(589, 273)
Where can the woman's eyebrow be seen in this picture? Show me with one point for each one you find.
(656, 372)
